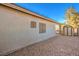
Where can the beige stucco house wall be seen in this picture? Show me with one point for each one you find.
(16, 31)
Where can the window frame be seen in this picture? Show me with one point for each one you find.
(42, 28)
(33, 24)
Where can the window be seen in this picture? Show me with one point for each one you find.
(42, 28)
(33, 24)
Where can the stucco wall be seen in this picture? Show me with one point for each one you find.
(16, 31)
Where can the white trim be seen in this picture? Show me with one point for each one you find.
(39, 1)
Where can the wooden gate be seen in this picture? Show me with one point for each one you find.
(77, 31)
(68, 30)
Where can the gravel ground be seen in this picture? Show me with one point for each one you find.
(56, 46)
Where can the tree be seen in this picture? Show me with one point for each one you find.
(72, 17)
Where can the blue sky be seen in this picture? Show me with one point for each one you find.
(55, 11)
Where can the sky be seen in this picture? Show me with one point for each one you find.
(55, 11)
